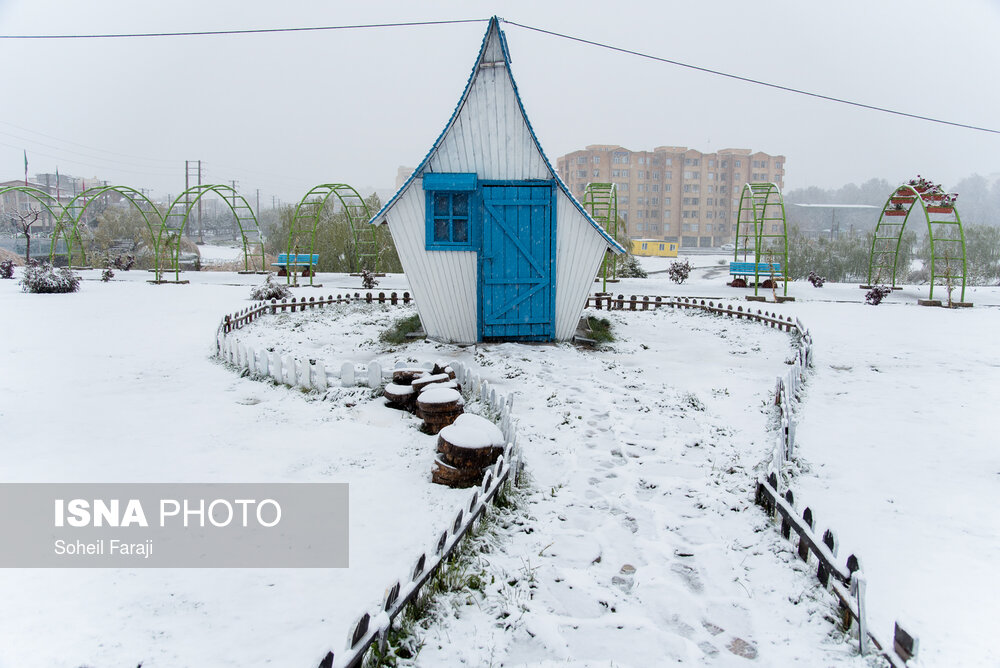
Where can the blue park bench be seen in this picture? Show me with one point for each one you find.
(303, 261)
(763, 269)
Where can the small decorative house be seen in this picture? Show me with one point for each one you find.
(494, 245)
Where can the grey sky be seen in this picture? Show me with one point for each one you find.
(284, 112)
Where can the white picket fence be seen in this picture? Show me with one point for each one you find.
(373, 626)
(847, 581)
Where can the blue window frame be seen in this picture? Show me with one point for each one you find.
(452, 203)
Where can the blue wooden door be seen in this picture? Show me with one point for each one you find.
(517, 262)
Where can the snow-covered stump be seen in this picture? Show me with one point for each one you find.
(466, 450)
(439, 407)
(402, 397)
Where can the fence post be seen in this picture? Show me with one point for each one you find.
(905, 644)
(320, 372)
(374, 375)
(858, 586)
(807, 517)
(304, 377)
(347, 374)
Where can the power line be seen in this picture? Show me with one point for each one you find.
(407, 24)
(67, 141)
(249, 31)
(757, 82)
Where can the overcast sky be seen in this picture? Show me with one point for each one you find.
(285, 112)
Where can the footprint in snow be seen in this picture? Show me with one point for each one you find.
(689, 575)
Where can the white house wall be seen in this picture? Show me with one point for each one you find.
(579, 251)
(443, 282)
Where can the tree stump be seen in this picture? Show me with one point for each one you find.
(407, 376)
(423, 381)
(453, 384)
(470, 442)
(441, 368)
(442, 474)
(439, 407)
(402, 397)
(465, 450)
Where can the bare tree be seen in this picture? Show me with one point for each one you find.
(22, 221)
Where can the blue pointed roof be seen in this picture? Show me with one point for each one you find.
(494, 29)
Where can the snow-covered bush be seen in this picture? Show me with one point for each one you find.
(679, 271)
(123, 262)
(7, 269)
(269, 290)
(816, 280)
(877, 294)
(42, 277)
(107, 274)
(368, 281)
(630, 268)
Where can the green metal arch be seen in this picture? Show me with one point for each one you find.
(889, 234)
(176, 219)
(77, 207)
(47, 202)
(307, 215)
(761, 204)
(600, 200)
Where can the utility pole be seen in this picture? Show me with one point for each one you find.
(189, 170)
(235, 222)
(201, 238)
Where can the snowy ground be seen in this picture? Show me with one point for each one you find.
(115, 384)
(641, 455)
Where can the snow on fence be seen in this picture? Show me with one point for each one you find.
(248, 315)
(372, 627)
(645, 303)
(847, 582)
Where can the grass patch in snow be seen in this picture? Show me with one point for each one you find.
(403, 326)
(600, 330)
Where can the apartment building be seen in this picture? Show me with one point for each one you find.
(673, 193)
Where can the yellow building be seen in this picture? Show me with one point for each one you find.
(653, 247)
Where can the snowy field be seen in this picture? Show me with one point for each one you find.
(640, 546)
(115, 384)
